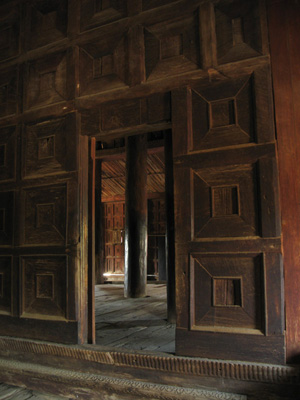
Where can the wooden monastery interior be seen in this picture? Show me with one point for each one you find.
(150, 142)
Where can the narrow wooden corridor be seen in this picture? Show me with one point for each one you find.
(133, 324)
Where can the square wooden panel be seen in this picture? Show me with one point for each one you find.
(5, 285)
(45, 215)
(238, 30)
(99, 12)
(47, 81)
(227, 292)
(225, 202)
(44, 287)
(9, 32)
(103, 64)
(172, 47)
(8, 93)
(46, 22)
(8, 153)
(231, 112)
(6, 218)
(48, 147)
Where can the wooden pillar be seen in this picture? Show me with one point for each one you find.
(91, 245)
(135, 280)
(170, 237)
(99, 225)
(284, 32)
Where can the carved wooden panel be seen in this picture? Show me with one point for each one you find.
(49, 147)
(227, 292)
(103, 63)
(128, 113)
(46, 22)
(114, 221)
(225, 202)
(238, 30)
(6, 218)
(9, 32)
(8, 92)
(47, 81)
(45, 215)
(99, 12)
(5, 285)
(121, 115)
(172, 47)
(236, 111)
(44, 287)
(7, 153)
(156, 217)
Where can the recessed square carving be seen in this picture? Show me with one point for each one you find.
(172, 47)
(45, 215)
(222, 113)
(6, 218)
(225, 201)
(47, 81)
(103, 64)
(100, 12)
(238, 30)
(7, 153)
(227, 292)
(9, 32)
(44, 286)
(8, 92)
(47, 23)
(2, 155)
(46, 147)
(5, 284)
(2, 219)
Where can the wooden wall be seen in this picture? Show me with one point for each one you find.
(106, 68)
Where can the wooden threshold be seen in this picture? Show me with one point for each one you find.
(84, 369)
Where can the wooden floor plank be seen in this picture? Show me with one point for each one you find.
(133, 324)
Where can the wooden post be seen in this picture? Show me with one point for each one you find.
(170, 238)
(91, 246)
(135, 280)
(284, 30)
(99, 229)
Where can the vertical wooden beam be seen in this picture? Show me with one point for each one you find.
(99, 231)
(135, 280)
(170, 236)
(91, 245)
(284, 31)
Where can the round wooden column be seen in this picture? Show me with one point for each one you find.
(135, 280)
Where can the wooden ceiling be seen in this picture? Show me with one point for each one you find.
(114, 171)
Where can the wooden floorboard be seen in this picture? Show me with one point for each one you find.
(8, 392)
(133, 324)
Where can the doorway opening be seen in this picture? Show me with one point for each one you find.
(142, 323)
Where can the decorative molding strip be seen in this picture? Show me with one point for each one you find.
(115, 385)
(165, 363)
